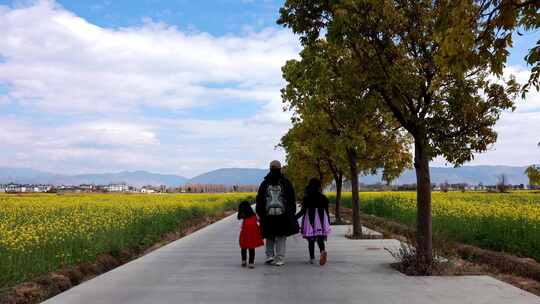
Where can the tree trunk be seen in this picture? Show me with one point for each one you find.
(353, 166)
(320, 171)
(321, 177)
(424, 242)
(339, 186)
(338, 179)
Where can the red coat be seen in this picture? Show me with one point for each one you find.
(250, 234)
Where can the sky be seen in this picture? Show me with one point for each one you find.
(179, 87)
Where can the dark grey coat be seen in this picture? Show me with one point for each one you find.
(277, 225)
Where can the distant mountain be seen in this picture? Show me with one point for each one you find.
(231, 176)
(25, 175)
(135, 178)
(488, 175)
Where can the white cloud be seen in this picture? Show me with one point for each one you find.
(113, 133)
(85, 147)
(197, 145)
(518, 132)
(58, 61)
(98, 133)
(14, 133)
(90, 85)
(531, 103)
(518, 136)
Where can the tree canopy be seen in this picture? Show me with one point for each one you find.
(329, 99)
(306, 156)
(533, 173)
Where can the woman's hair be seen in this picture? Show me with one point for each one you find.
(314, 186)
(245, 210)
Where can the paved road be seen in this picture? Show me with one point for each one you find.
(204, 267)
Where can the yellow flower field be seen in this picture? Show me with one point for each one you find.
(40, 233)
(507, 222)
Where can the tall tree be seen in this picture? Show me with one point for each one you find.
(308, 142)
(304, 157)
(320, 87)
(396, 44)
(533, 173)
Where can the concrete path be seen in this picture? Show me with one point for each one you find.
(204, 267)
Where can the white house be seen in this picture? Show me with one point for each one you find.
(15, 188)
(87, 187)
(42, 188)
(117, 188)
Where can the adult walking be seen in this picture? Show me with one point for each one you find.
(276, 208)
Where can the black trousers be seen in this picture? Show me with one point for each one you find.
(311, 245)
(251, 254)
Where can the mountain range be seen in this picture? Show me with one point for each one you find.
(488, 175)
(473, 175)
(135, 178)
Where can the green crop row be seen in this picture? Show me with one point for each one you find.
(508, 222)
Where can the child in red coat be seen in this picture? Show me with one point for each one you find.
(250, 234)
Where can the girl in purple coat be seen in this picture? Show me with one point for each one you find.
(315, 223)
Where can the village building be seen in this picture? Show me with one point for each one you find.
(22, 188)
(117, 188)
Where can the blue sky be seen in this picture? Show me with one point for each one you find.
(167, 86)
(217, 17)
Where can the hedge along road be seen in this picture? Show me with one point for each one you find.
(204, 267)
